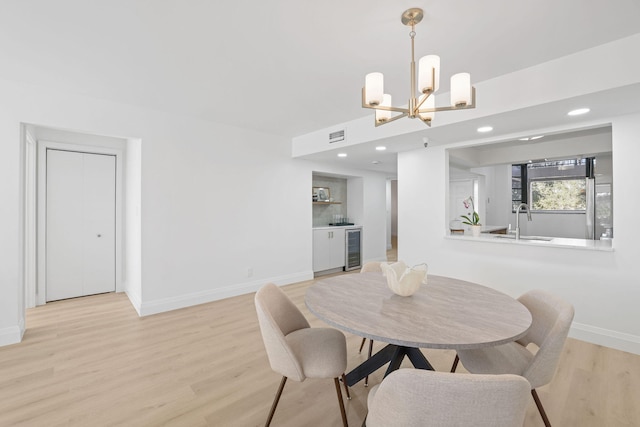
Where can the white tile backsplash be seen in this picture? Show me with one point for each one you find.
(324, 214)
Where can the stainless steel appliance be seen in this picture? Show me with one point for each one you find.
(590, 211)
(599, 207)
(353, 242)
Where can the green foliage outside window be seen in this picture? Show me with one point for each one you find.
(559, 195)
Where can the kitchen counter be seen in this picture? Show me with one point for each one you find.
(334, 227)
(493, 229)
(552, 242)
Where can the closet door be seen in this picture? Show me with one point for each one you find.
(81, 223)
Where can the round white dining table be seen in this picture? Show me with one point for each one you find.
(445, 313)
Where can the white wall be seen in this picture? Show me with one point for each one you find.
(133, 222)
(394, 207)
(216, 202)
(499, 195)
(375, 221)
(390, 214)
(355, 201)
(603, 286)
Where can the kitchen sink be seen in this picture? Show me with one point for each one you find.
(513, 237)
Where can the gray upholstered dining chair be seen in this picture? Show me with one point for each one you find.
(295, 350)
(552, 317)
(371, 266)
(417, 397)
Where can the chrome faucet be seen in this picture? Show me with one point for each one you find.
(522, 205)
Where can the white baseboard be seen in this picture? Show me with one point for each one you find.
(11, 335)
(135, 301)
(606, 337)
(188, 300)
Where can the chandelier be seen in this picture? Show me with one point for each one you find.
(463, 95)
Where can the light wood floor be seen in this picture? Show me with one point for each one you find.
(93, 362)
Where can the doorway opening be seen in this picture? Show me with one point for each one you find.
(115, 201)
(392, 226)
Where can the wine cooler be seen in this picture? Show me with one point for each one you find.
(353, 250)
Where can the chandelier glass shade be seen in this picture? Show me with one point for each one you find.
(421, 100)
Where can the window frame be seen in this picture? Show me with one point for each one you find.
(526, 182)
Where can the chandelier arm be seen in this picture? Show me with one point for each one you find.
(450, 108)
(392, 119)
(429, 93)
(383, 108)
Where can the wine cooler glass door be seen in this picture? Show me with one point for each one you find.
(353, 249)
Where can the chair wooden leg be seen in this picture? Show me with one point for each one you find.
(346, 387)
(540, 408)
(362, 345)
(455, 364)
(342, 411)
(366, 379)
(275, 401)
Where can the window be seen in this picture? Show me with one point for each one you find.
(551, 186)
(518, 176)
(558, 195)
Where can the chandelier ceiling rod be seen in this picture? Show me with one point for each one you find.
(463, 95)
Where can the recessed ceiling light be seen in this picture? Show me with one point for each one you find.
(578, 112)
(381, 148)
(485, 129)
(342, 154)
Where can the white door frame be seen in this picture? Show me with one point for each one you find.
(41, 227)
(29, 270)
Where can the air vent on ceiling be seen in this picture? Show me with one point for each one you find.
(336, 136)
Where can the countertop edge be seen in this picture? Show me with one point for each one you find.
(557, 242)
(333, 227)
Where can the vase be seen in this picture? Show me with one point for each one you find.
(475, 230)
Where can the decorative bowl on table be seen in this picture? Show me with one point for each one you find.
(402, 280)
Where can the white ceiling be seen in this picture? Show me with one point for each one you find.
(283, 66)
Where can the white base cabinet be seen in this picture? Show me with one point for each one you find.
(328, 249)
